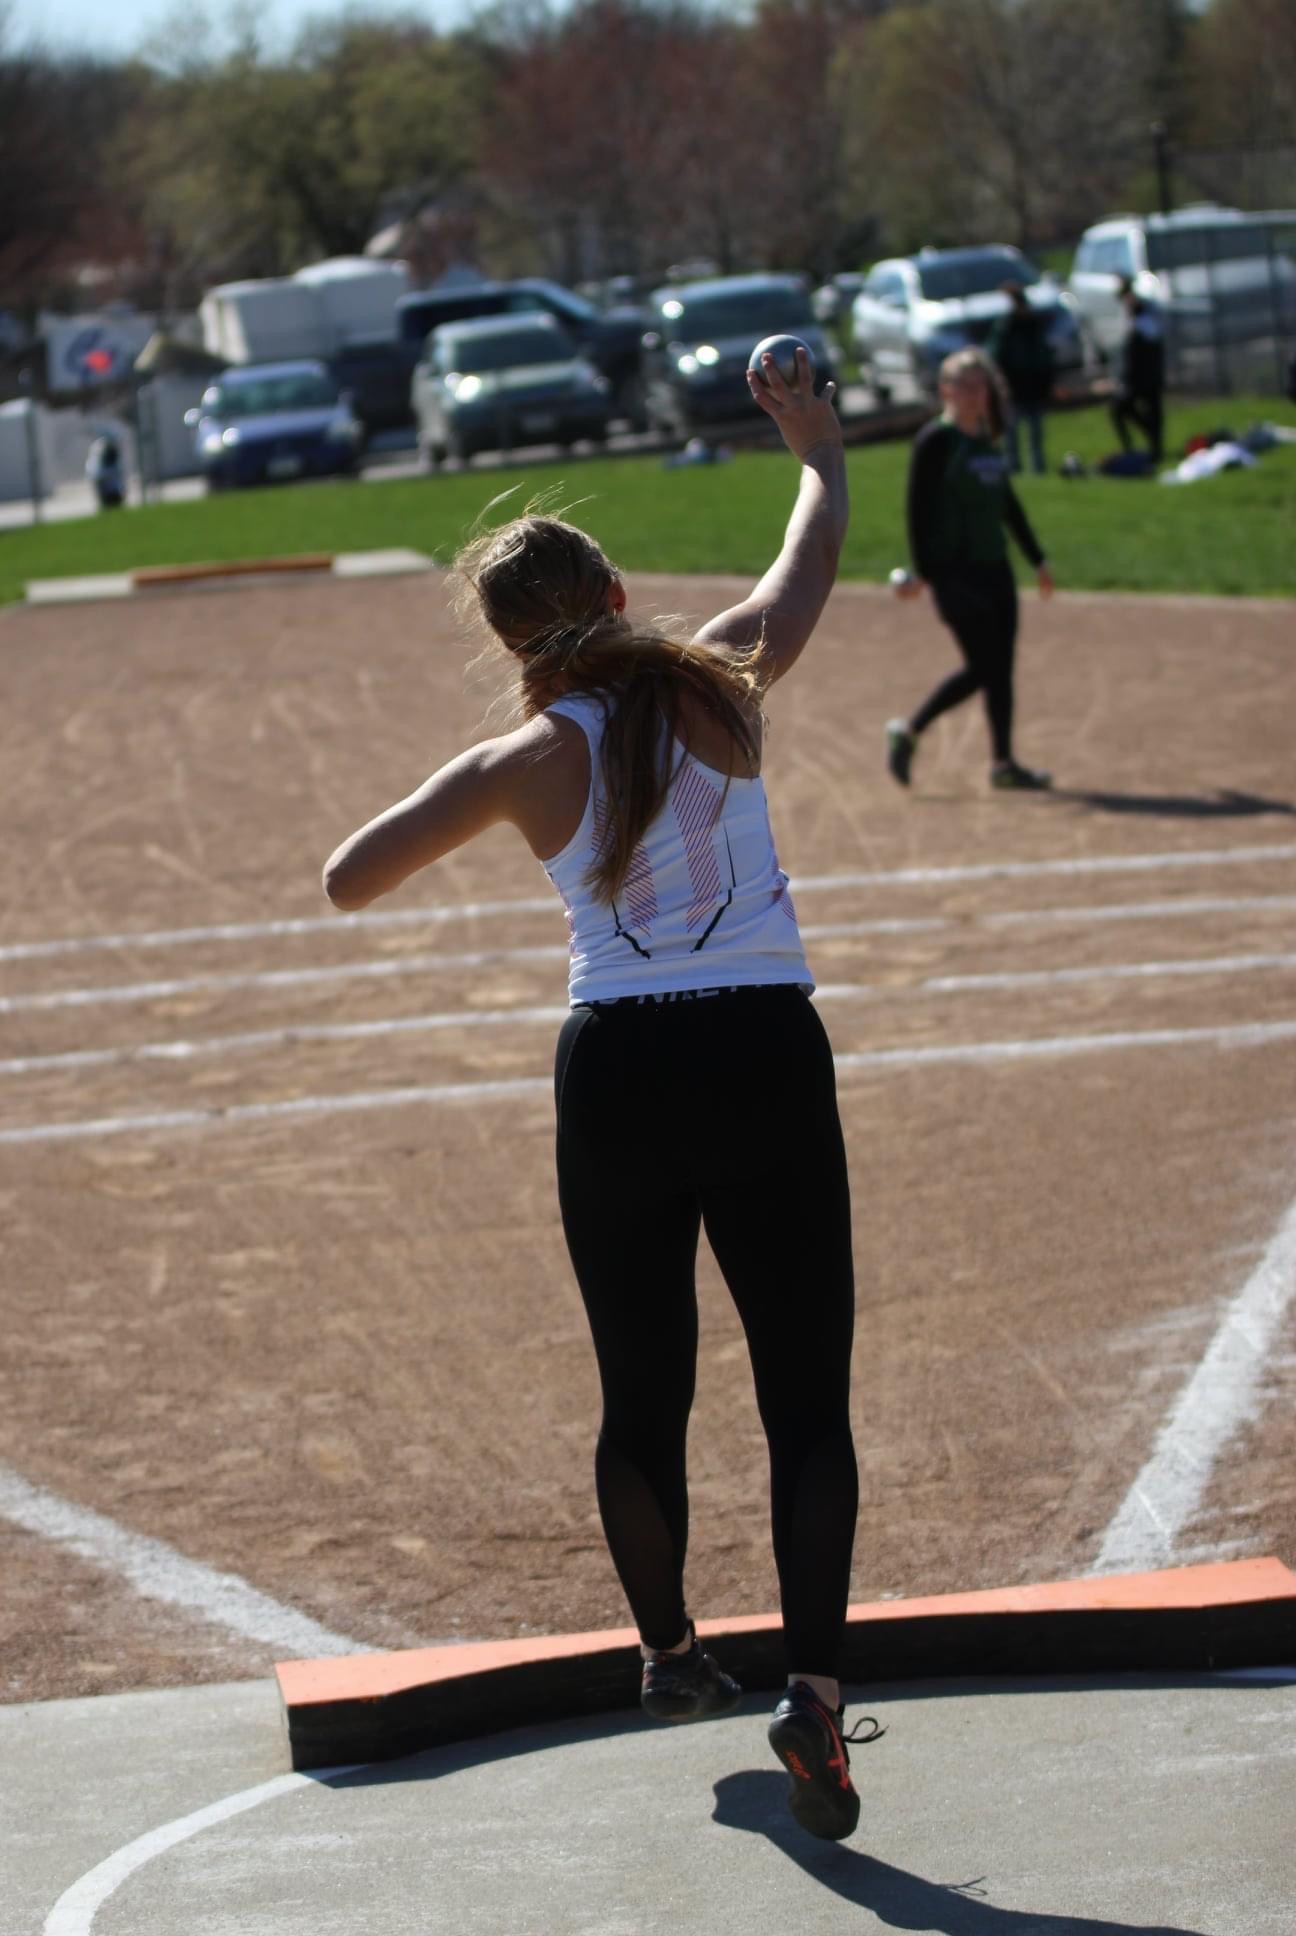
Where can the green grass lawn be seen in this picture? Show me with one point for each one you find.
(1235, 533)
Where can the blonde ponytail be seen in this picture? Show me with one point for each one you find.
(543, 588)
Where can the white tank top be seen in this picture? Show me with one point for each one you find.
(705, 903)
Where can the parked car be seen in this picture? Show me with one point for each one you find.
(609, 339)
(914, 311)
(502, 382)
(274, 421)
(375, 376)
(1214, 273)
(701, 335)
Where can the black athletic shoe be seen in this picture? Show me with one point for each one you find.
(900, 750)
(687, 1687)
(807, 1738)
(1012, 778)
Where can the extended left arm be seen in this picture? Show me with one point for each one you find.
(468, 795)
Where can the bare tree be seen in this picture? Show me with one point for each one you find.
(255, 165)
(57, 119)
(1242, 93)
(1016, 120)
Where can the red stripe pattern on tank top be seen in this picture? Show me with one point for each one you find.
(697, 807)
(639, 891)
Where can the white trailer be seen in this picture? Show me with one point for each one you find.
(316, 312)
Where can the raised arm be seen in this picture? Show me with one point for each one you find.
(779, 615)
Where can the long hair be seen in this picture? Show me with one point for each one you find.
(542, 588)
(963, 363)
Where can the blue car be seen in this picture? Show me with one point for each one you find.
(272, 422)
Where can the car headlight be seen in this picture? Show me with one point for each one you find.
(213, 443)
(707, 354)
(688, 364)
(466, 388)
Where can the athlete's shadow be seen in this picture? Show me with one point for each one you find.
(756, 1801)
(1222, 803)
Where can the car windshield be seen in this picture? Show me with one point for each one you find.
(503, 351)
(747, 312)
(973, 275)
(263, 396)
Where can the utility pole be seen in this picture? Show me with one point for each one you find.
(1161, 145)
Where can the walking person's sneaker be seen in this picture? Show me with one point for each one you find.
(688, 1686)
(900, 750)
(1013, 778)
(807, 1738)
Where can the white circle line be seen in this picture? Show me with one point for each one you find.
(74, 1912)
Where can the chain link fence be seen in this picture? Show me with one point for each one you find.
(1229, 304)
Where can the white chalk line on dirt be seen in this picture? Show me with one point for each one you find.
(74, 1912)
(269, 930)
(276, 978)
(1104, 971)
(471, 910)
(1144, 910)
(1219, 1398)
(1237, 1036)
(390, 967)
(158, 1572)
(294, 1034)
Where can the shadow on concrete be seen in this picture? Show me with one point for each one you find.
(430, 1764)
(1127, 1681)
(756, 1802)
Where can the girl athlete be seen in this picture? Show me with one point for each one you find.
(694, 1082)
(960, 504)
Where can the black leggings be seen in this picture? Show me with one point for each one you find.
(1142, 408)
(718, 1110)
(979, 604)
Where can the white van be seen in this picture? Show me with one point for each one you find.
(1216, 274)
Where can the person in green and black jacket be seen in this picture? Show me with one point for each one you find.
(1019, 344)
(962, 508)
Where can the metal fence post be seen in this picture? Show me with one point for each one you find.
(1275, 306)
(1223, 373)
(34, 480)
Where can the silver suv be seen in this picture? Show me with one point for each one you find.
(1214, 273)
(914, 311)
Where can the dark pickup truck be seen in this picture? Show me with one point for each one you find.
(612, 340)
(376, 377)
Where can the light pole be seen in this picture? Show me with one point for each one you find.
(1161, 146)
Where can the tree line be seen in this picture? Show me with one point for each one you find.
(616, 137)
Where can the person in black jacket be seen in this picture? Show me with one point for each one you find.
(1141, 378)
(1019, 344)
(961, 507)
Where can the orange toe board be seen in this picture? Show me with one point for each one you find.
(375, 1706)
